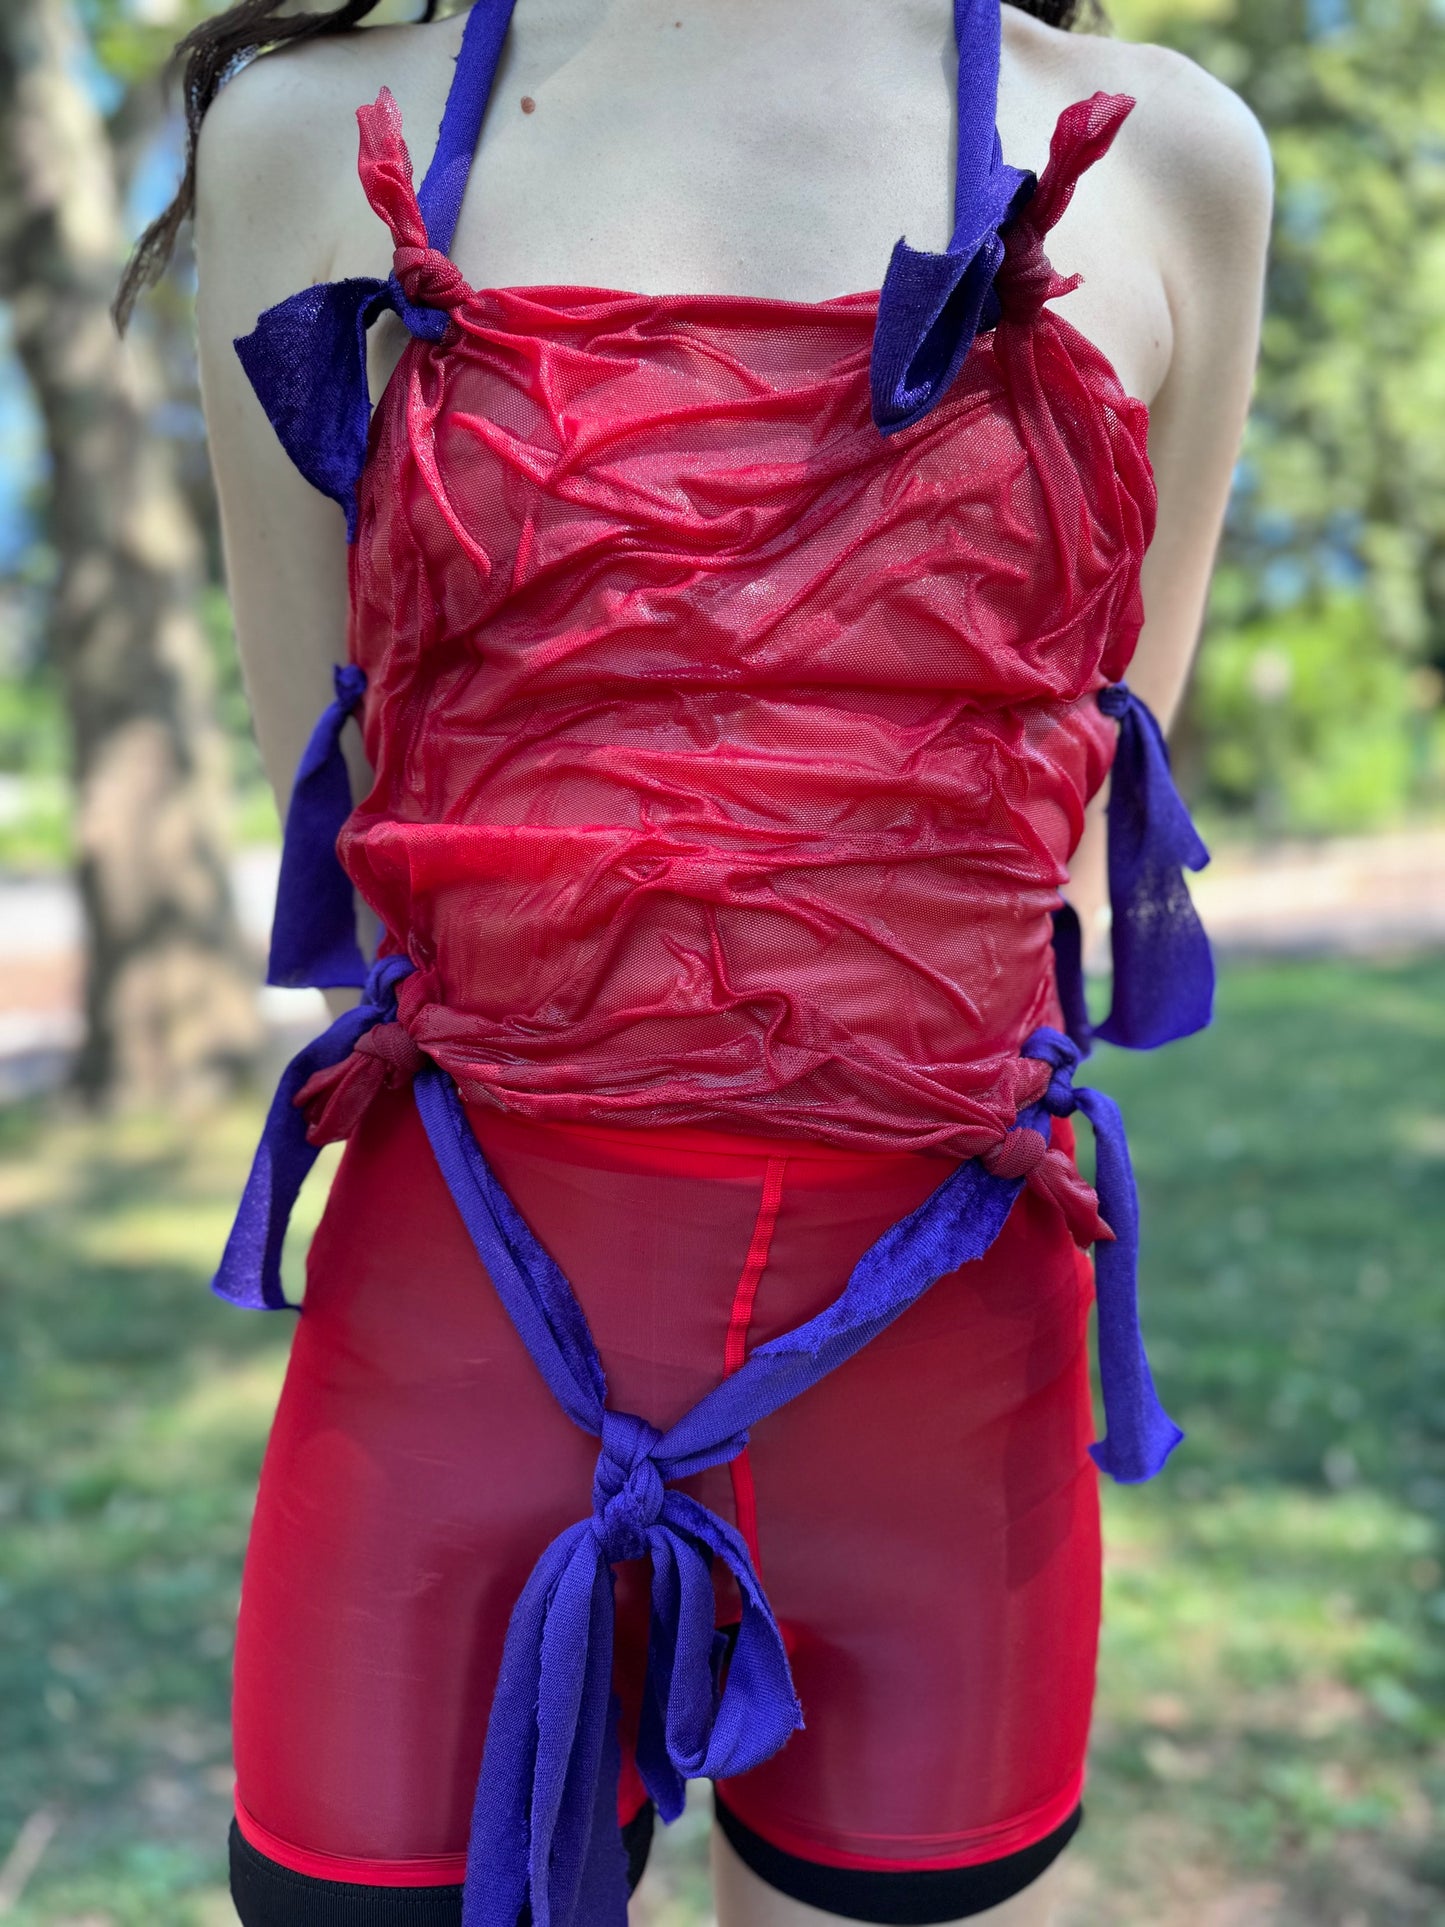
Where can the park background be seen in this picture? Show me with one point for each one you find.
(1270, 1737)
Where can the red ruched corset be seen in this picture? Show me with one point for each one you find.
(729, 755)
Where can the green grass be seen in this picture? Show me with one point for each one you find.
(1270, 1737)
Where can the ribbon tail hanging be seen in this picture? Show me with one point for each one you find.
(313, 932)
(717, 1728)
(1139, 1434)
(544, 1826)
(249, 1274)
(1069, 977)
(1163, 968)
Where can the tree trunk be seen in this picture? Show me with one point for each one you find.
(170, 1004)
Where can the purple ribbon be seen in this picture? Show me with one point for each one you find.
(1163, 966)
(313, 931)
(932, 305)
(306, 357)
(306, 360)
(544, 1825)
(249, 1274)
(1139, 1434)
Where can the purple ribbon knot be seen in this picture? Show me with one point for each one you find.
(627, 1492)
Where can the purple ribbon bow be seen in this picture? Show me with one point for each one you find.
(544, 1826)
(313, 931)
(249, 1274)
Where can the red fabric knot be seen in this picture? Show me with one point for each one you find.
(335, 1099)
(1026, 1153)
(428, 277)
(1017, 1154)
(1026, 279)
(1083, 134)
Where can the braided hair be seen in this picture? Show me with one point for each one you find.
(213, 50)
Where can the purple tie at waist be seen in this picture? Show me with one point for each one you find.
(544, 1826)
(1163, 969)
(544, 1829)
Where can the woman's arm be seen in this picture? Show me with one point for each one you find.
(1208, 168)
(266, 218)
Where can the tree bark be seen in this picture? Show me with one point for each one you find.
(170, 1010)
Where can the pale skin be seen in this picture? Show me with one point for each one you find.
(764, 147)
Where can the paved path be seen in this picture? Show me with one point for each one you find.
(1360, 894)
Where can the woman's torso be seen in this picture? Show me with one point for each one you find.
(729, 754)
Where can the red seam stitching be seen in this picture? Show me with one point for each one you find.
(735, 1351)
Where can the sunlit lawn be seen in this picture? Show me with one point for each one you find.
(1270, 1739)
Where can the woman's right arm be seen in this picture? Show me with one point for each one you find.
(264, 225)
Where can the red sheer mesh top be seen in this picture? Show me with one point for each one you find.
(729, 754)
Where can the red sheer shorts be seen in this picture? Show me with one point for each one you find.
(925, 1520)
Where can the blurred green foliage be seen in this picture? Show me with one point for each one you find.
(1318, 699)
(1270, 1737)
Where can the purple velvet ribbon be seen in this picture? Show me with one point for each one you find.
(306, 357)
(249, 1274)
(313, 930)
(544, 1826)
(306, 360)
(1068, 943)
(1139, 1434)
(1163, 968)
(932, 305)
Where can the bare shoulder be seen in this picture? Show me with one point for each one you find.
(276, 162)
(1193, 150)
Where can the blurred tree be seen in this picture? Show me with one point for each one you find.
(169, 1000)
(1337, 528)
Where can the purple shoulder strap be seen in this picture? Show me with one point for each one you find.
(440, 194)
(932, 305)
(306, 357)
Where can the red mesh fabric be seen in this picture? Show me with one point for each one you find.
(925, 1519)
(730, 755)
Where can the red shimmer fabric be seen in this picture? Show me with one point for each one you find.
(926, 1519)
(730, 755)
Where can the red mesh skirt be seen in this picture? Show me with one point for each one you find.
(925, 1520)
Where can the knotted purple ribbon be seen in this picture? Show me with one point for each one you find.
(1139, 1434)
(249, 1274)
(544, 1826)
(932, 305)
(313, 931)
